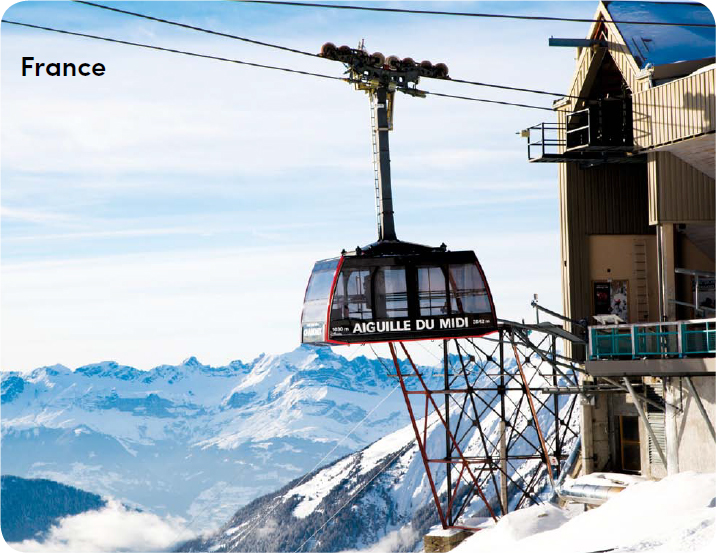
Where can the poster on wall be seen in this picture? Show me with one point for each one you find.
(611, 298)
(619, 299)
(602, 298)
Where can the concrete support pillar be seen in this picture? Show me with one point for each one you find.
(666, 265)
(587, 438)
(670, 428)
(503, 467)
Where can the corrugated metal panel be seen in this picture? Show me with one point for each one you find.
(580, 75)
(622, 56)
(609, 199)
(618, 50)
(675, 111)
(590, 59)
(678, 192)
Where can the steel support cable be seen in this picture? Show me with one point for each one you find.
(200, 29)
(303, 52)
(513, 88)
(476, 14)
(175, 51)
(247, 63)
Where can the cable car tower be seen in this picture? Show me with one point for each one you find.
(394, 292)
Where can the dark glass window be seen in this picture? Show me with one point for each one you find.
(351, 300)
(318, 291)
(467, 290)
(391, 293)
(431, 291)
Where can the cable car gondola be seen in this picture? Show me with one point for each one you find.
(393, 290)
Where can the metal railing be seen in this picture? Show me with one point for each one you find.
(547, 139)
(578, 133)
(678, 339)
(698, 278)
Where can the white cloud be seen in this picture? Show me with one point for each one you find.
(402, 539)
(32, 215)
(267, 528)
(113, 528)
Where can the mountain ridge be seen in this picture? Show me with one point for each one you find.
(231, 433)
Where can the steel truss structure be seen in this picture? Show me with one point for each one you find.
(506, 424)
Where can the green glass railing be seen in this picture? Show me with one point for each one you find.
(639, 341)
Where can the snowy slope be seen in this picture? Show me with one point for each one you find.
(677, 513)
(190, 439)
(349, 505)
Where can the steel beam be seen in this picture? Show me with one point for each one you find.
(387, 223)
(645, 420)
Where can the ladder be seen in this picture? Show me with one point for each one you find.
(374, 141)
(641, 280)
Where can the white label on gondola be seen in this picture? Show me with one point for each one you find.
(312, 331)
(406, 326)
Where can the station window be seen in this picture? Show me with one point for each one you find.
(351, 300)
(467, 290)
(391, 293)
(431, 291)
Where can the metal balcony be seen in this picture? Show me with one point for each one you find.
(600, 133)
(680, 339)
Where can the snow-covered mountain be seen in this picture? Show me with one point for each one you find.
(190, 439)
(378, 493)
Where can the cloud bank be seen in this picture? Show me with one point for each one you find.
(113, 528)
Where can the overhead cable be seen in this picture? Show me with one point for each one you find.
(248, 63)
(486, 101)
(472, 14)
(514, 88)
(200, 29)
(303, 52)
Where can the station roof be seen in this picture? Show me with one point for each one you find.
(661, 45)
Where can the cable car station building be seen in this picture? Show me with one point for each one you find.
(634, 141)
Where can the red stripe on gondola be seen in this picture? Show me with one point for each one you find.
(330, 298)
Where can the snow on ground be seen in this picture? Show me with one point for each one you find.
(677, 513)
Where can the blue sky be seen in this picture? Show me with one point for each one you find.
(175, 206)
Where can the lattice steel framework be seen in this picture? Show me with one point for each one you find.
(505, 429)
